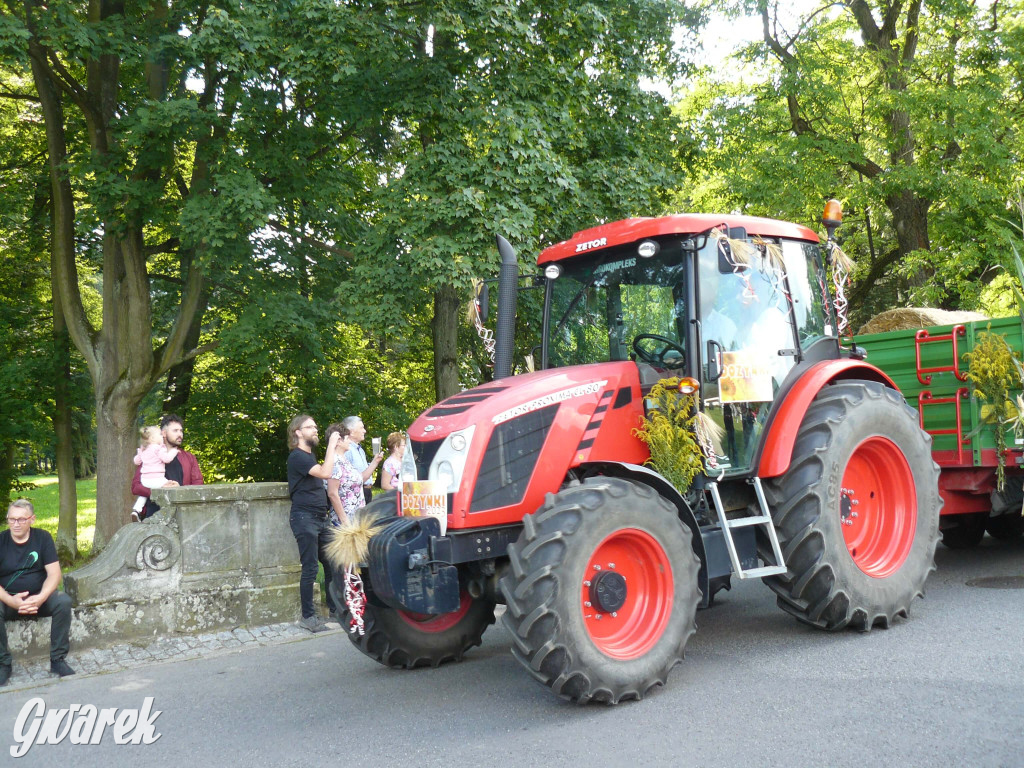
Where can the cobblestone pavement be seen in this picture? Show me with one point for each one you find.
(96, 661)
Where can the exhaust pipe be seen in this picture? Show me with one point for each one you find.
(508, 290)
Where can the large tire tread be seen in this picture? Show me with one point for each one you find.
(390, 643)
(537, 591)
(822, 586)
(394, 642)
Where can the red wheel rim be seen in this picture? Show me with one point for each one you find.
(878, 507)
(633, 629)
(427, 622)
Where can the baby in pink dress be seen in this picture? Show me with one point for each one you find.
(152, 457)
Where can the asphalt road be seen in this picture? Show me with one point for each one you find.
(944, 688)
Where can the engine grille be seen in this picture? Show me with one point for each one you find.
(510, 458)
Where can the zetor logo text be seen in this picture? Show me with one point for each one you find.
(591, 244)
(82, 725)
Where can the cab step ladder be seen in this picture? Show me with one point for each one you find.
(764, 519)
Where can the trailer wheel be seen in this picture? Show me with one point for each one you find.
(602, 591)
(1007, 524)
(857, 513)
(1008, 527)
(964, 531)
(405, 640)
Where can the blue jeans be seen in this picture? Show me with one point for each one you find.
(311, 530)
(58, 607)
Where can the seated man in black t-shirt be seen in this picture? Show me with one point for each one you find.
(29, 577)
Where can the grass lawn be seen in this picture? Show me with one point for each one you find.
(45, 499)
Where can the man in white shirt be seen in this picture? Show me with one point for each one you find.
(356, 456)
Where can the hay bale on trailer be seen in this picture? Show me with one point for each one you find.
(909, 318)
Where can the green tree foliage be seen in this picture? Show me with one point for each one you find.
(524, 119)
(173, 134)
(279, 206)
(908, 111)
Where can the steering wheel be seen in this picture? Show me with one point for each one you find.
(656, 356)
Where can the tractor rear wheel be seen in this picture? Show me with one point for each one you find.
(403, 639)
(602, 591)
(857, 512)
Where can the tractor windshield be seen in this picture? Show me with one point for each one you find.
(601, 305)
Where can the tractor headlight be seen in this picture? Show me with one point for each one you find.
(450, 460)
(446, 474)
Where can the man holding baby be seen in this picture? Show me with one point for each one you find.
(181, 468)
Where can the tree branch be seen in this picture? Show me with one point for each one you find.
(21, 96)
(346, 254)
(170, 245)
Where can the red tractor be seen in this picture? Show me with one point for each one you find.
(823, 484)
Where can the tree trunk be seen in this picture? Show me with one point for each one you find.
(445, 328)
(910, 219)
(67, 521)
(123, 363)
(6, 475)
(178, 388)
(116, 441)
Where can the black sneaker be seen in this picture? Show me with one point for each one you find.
(60, 667)
(314, 624)
(5, 673)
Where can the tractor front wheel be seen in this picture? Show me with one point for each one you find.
(403, 639)
(602, 591)
(857, 512)
(406, 640)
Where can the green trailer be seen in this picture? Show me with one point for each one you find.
(929, 367)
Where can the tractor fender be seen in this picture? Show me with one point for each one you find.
(780, 436)
(668, 491)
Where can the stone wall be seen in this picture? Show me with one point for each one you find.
(214, 557)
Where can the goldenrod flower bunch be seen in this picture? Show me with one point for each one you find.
(994, 371)
(669, 430)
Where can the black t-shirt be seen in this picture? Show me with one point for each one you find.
(308, 493)
(173, 470)
(33, 556)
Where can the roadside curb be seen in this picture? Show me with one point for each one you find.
(125, 656)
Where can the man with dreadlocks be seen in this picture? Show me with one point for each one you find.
(29, 577)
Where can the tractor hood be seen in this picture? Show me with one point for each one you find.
(499, 401)
(504, 444)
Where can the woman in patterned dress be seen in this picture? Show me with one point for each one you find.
(345, 486)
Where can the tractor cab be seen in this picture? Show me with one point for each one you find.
(736, 304)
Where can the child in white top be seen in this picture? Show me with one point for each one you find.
(152, 457)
